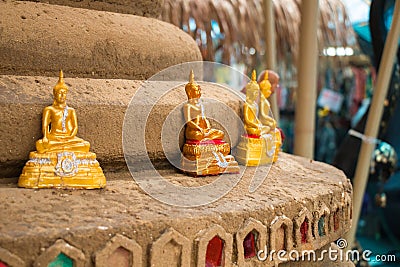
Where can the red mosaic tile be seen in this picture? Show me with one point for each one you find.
(214, 254)
(336, 221)
(303, 230)
(249, 245)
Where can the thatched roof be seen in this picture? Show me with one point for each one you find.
(240, 27)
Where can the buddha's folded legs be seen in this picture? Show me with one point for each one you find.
(192, 133)
(61, 144)
(215, 134)
(268, 121)
(253, 131)
(265, 129)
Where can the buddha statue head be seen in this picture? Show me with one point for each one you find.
(192, 89)
(272, 77)
(252, 88)
(265, 86)
(60, 90)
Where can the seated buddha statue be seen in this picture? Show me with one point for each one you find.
(61, 159)
(252, 124)
(60, 125)
(197, 125)
(256, 146)
(204, 151)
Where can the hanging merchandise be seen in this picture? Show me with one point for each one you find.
(383, 163)
(384, 180)
(330, 99)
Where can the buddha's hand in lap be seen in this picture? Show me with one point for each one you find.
(45, 141)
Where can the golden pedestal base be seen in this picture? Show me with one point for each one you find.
(208, 158)
(255, 151)
(62, 169)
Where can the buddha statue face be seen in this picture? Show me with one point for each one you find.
(252, 89)
(251, 96)
(60, 95)
(265, 86)
(60, 90)
(193, 91)
(273, 79)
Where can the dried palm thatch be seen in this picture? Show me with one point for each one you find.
(233, 29)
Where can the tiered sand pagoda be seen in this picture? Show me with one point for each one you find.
(106, 56)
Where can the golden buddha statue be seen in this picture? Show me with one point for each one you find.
(252, 124)
(60, 125)
(204, 151)
(256, 146)
(267, 88)
(197, 126)
(62, 160)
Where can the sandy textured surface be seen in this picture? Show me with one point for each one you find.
(87, 218)
(147, 8)
(37, 39)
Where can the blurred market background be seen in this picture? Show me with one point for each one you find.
(351, 37)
